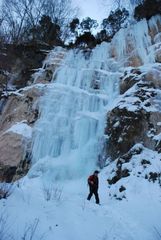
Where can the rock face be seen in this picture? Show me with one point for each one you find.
(137, 115)
(15, 147)
(19, 111)
(21, 106)
(17, 118)
(135, 118)
(50, 65)
(13, 159)
(147, 9)
(138, 162)
(20, 61)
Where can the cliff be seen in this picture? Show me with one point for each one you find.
(132, 64)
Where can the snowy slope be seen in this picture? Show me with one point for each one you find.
(67, 215)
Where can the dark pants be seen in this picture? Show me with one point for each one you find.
(94, 191)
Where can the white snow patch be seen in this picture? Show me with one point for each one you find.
(21, 128)
(157, 137)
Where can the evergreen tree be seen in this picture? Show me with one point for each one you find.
(86, 40)
(113, 23)
(88, 24)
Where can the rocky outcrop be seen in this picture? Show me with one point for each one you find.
(147, 9)
(51, 64)
(138, 162)
(19, 111)
(21, 105)
(14, 162)
(20, 61)
(129, 79)
(137, 115)
(17, 118)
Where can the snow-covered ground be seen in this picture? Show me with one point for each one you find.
(61, 211)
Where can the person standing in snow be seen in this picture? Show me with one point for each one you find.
(93, 183)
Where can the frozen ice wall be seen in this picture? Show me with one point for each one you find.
(69, 136)
(137, 41)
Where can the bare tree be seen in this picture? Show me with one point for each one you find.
(111, 5)
(60, 11)
(22, 15)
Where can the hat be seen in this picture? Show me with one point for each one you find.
(96, 171)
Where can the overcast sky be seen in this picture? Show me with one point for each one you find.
(93, 8)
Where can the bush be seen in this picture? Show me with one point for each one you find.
(5, 190)
(86, 40)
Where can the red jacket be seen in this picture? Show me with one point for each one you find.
(93, 181)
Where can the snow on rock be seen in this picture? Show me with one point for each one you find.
(50, 65)
(140, 162)
(19, 113)
(137, 109)
(21, 128)
(21, 106)
(15, 144)
(13, 158)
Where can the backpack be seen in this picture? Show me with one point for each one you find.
(90, 178)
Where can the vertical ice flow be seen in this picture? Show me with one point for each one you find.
(69, 136)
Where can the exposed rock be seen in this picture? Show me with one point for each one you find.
(129, 79)
(120, 173)
(145, 162)
(15, 148)
(158, 146)
(21, 60)
(147, 9)
(127, 133)
(135, 117)
(158, 56)
(49, 67)
(153, 76)
(18, 108)
(134, 120)
(122, 188)
(3, 80)
(46, 76)
(153, 176)
(138, 161)
(13, 155)
(21, 106)
(134, 61)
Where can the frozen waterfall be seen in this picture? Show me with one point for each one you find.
(69, 136)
